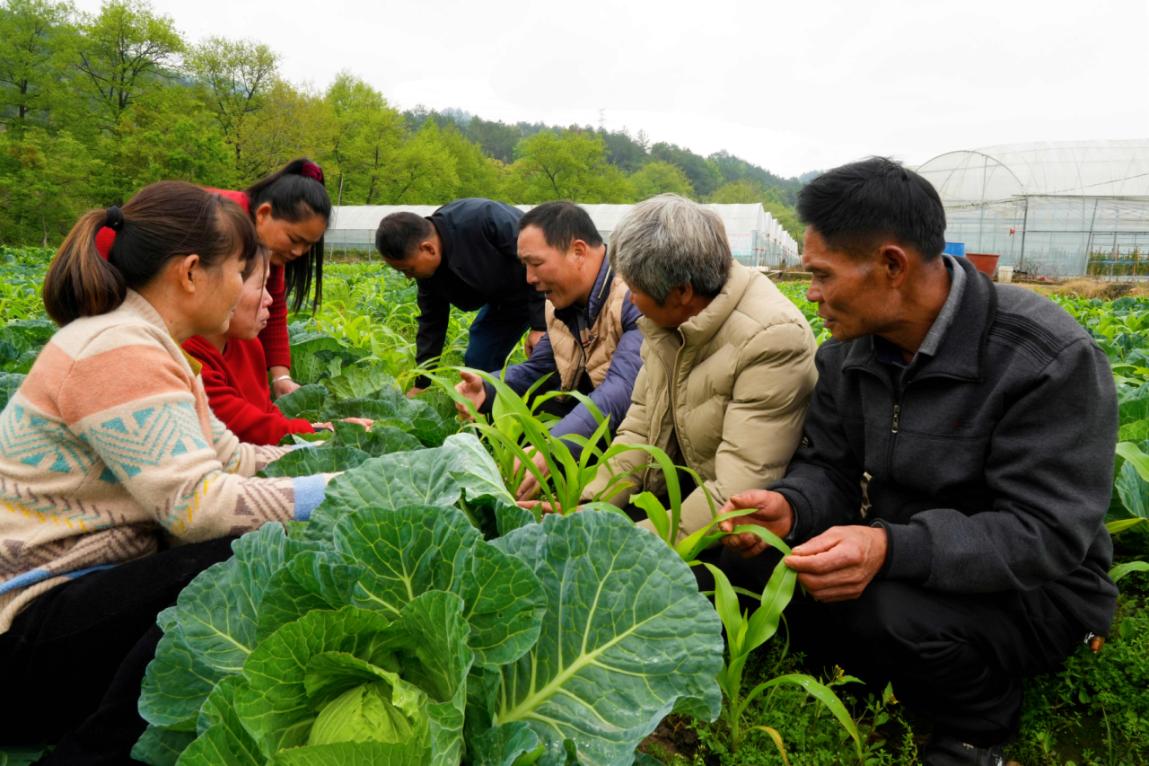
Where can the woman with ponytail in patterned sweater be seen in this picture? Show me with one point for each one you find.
(117, 483)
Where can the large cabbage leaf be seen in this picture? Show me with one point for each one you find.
(579, 633)
(307, 665)
(413, 550)
(213, 628)
(626, 638)
(459, 472)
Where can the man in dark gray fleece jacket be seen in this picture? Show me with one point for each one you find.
(955, 469)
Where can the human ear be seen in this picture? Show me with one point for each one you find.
(187, 269)
(894, 262)
(682, 294)
(263, 213)
(432, 252)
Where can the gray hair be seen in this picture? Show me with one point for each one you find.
(668, 241)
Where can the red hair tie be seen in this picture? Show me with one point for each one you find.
(310, 170)
(106, 234)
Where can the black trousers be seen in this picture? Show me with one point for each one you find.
(957, 658)
(72, 663)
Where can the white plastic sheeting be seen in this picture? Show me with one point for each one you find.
(756, 239)
(1061, 209)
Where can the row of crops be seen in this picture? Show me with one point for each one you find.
(422, 617)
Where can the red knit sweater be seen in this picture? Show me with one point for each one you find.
(276, 344)
(237, 389)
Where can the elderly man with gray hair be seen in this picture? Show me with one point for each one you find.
(728, 361)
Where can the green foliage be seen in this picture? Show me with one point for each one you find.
(23, 756)
(746, 632)
(23, 269)
(611, 660)
(95, 106)
(20, 342)
(704, 175)
(1121, 329)
(517, 433)
(357, 354)
(235, 76)
(658, 177)
(389, 606)
(35, 58)
(567, 165)
(125, 51)
(1096, 710)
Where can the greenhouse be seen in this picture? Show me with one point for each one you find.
(1056, 209)
(756, 239)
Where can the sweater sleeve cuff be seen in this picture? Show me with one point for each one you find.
(309, 492)
(907, 552)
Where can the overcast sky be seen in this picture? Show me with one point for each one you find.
(791, 86)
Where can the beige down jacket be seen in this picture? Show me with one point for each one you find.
(725, 393)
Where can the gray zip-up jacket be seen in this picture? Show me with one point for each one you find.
(991, 462)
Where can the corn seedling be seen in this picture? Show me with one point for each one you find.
(746, 632)
(517, 433)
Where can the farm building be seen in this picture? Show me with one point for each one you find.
(1058, 209)
(756, 239)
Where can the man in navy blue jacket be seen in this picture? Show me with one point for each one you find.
(592, 342)
(465, 255)
(949, 495)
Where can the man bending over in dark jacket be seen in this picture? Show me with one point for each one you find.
(983, 419)
(465, 255)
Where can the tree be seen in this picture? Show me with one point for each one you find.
(659, 178)
(291, 124)
(496, 139)
(125, 50)
(478, 174)
(367, 137)
(236, 75)
(736, 192)
(38, 38)
(703, 175)
(45, 183)
(734, 168)
(168, 135)
(624, 152)
(571, 165)
(422, 172)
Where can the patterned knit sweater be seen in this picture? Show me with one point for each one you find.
(109, 446)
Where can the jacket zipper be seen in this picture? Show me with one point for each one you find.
(895, 426)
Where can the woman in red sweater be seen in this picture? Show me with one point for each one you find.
(291, 210)
(234, 369)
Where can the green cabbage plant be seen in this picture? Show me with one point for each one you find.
(390, 629)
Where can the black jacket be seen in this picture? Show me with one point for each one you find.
(480, 266)
(991, 469)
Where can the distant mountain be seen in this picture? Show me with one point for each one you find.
(626, 152)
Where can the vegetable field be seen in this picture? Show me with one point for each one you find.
(421, 617)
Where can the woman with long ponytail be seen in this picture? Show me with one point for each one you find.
(117, 483)
(291, 210)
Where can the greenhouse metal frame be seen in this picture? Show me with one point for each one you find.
(1056, 209)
